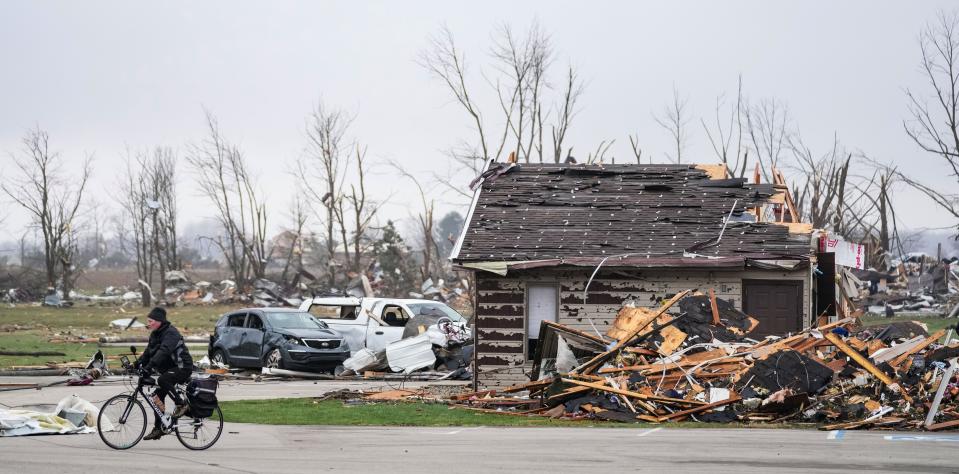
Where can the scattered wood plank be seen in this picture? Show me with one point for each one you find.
(714, 307)
(594, 363)
(943, 425)
(527, 386)
(926, 343)
(629, 393)
(467, 396)
(862, 361)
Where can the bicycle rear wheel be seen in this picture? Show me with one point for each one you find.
(200, 433)
(122, 422)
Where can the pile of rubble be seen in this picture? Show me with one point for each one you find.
(700, 365)
(918, 284)
(181, 290)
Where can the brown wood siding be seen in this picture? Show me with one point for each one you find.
(500, 320)
(500, 331)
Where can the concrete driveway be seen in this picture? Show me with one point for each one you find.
(228, 390)
(275, 449)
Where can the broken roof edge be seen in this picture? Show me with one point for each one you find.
(502, 268)
(469, 215)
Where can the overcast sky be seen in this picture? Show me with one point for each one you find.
(104, 76)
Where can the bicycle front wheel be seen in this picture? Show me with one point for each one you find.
(200, 433)
(122, 422)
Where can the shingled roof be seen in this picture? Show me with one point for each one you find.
(584, 213)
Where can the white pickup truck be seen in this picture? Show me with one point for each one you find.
(373, 322)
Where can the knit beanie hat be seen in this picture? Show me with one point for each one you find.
(157, 314)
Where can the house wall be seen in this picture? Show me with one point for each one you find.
(501, 323)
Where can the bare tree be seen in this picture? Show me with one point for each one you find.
(522, 88)
(323, 160)
(674, 119)
(634, 146)
(148, 198)
(52, 198)
(934, 127)
(768, 127)
(724, 137)
(299, 216)
(426, 225)
(364, 209)
(224, 178)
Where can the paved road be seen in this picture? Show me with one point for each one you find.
(228, 390)
(275, 449)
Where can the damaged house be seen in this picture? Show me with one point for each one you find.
(573, 244)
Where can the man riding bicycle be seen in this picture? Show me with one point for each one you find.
(167, 355)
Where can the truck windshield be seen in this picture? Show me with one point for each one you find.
(418, 308)
(295, 321)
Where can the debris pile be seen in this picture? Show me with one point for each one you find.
(430, 349)
(700, 364)
(917, 284)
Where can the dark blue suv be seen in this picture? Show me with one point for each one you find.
(288, 339)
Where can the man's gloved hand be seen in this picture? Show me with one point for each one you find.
(144, 371)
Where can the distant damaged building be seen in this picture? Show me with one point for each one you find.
(537, 235)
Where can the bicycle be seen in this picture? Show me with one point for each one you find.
(124, 415)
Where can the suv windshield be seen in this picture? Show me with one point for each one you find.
(417, 308)
(295, 321)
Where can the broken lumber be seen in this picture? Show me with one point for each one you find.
(714, 307)
(593, 363)
(628, 393)
(864, 363)
(926, 343)
(692, 411)
(943, 425)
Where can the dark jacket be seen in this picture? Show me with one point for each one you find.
(166, 350)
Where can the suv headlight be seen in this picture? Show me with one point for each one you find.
(294, 340)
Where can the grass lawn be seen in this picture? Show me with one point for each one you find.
(306, 411)
(97, 318)
(934, 323)
(29, 328)
(33, 340)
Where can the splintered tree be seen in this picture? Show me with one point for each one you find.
(529, 109)
(934, 117)
(825, 183)
(52, 198)
(148, 198)
(224, 178)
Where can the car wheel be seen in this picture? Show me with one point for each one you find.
(274, 360)
(219, 359)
